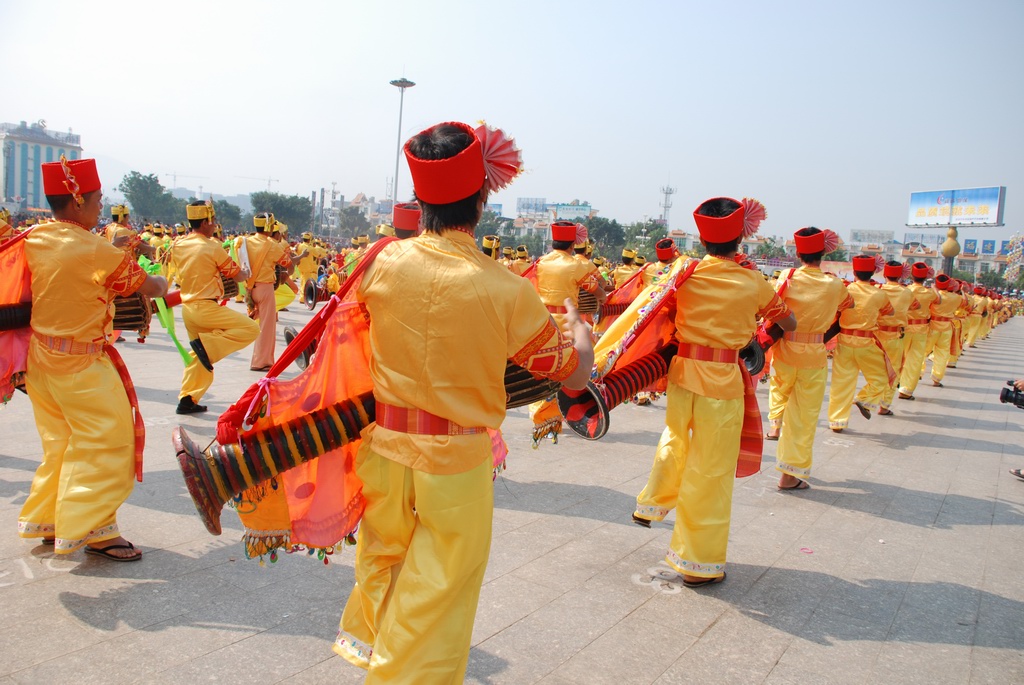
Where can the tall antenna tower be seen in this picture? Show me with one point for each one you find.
(666, 204)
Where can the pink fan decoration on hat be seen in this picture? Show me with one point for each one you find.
(831, 240)
(879, 263)
(753, 214)
(581, 234)
(931, 272)
(907, 271)
(503, 161)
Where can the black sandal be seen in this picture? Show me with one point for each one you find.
(105, 552)
(707, 581)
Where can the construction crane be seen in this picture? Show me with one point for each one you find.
(174, 177)
(268, 180)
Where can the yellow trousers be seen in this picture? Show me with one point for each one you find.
(804, 390)
(974, 325)
(894, 350)
(914, 345)
(959, 333)
(423, 546)
(986, 326)
(661, 494)
(848, 363)
(266, 314)
(85, 424)
(777, 396)
(939, 342)
(704, 454)
(222, 331)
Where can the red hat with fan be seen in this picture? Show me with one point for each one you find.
(943, 282)
(715, 226)
(893, 270)
(979, 290)
(919, 270)
(76, 177)
(864, 263)
(491, 160)
(665, 249)
(406, 216)
(564, 231)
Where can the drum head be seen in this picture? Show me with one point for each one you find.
(309, 295)
(753, 357)
(585, 411)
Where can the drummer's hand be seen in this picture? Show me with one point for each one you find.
(571, 320)
(120, 241)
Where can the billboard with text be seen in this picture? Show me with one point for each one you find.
(965, 207)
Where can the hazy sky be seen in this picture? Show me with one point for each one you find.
(830, 113)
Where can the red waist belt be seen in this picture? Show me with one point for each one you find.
(793, 336)
(419, 422)
(890, 329)
(707, 354)
(857, 334)
(917, 322)
(556, 310)
(942, 318)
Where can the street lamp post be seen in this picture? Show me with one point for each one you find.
(401, 84)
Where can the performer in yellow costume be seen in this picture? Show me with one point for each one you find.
(120, 234)
(890, 327)
(915, 336)
(309, 259)
(424, 539)
(940, 327)
(799, 362)
(74, 378)
(625, 271)
(265, 252)
(976, 315)
(560, 277)
(522, 261)
(859, 350)
(695, 467)
(214, 332)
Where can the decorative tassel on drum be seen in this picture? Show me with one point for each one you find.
(223, 472)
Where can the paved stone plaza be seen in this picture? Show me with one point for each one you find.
(901, 565)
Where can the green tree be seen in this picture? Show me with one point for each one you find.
(149, 200)
(293, 210)
(492, 224)
(837, 255)
(770, 249)
(607, 234)
(991, 279)
(229, 215)
(352, 222)
(643, 235)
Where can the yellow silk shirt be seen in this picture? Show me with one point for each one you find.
(561, 276)
(115, 231)
(75, 276)
(519, 266)
(623, 273)
(870, 302)
(444, 319)
(945, 306)
(311, 255)
(900, 297)
(264, 253)
(814, 297)
(923, 297)
(199, 262)
(718, 306)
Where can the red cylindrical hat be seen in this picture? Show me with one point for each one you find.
(720, 229)
(564, 231)
(919, 270)
(406, 216)
(892, 271)
(665, 249)
(979, 290)
(57, 181)
(443, 181)
(810, 244)
(864, 264)
(942, 282)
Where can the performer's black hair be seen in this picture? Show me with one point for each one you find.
(59, 203)
(722, 249)
(561, 244)
(863, 275)
(627, 260)
(442, 142)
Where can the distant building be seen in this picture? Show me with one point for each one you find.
(25, 147)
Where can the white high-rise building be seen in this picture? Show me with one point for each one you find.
(25, 147)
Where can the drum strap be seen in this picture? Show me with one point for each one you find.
(419, 422)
